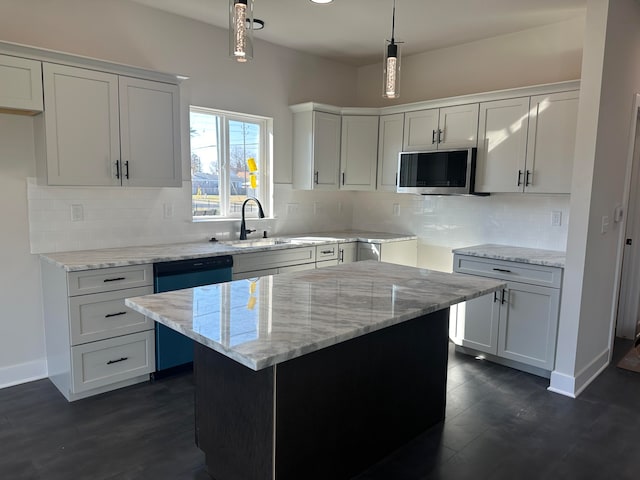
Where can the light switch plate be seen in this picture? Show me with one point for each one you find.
(556, 218)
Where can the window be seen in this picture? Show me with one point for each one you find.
(229, 163)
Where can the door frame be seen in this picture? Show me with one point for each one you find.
(628, 304)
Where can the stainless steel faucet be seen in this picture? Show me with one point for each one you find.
(243, 225)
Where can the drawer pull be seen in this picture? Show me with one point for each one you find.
(122, 359)
(503, 270)
(326, 252)
(109, 315)
(117, 279)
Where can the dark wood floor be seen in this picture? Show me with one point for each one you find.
(501, 424)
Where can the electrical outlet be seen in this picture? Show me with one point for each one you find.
(605, 224)
(77, 213)
(316, 207)
(396, 209)
(168, 210)
(556, 218)
(339, 207)
(292, 208)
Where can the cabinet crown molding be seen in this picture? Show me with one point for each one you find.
(53, 56)
(441, 102)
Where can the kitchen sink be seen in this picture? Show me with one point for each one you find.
(261, 242)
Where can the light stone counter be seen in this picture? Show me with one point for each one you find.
(123, 256)
(534, 256)
(262, 322)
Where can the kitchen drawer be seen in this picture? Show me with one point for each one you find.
(113, 360)
(109, 279)
(103, 315)
(327, 252)
(247, 262)
(505, 270)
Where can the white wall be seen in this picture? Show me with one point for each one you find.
(610, 79)
(128, 33)
(21, 340)
(539, 55)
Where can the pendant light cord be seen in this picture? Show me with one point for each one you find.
(393, 22)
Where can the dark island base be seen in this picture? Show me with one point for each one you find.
(329, 414)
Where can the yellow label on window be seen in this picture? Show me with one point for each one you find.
(251, 303)
(254, 181)
(252, 288)
(251, 163)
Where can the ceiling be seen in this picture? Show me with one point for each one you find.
(354, 31)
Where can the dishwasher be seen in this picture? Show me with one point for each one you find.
(172, 348)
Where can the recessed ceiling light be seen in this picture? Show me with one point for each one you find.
(321, 1)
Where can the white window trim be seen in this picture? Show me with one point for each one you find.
(265, 172)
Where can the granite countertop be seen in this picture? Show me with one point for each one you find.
(534, 256)
(265, 321)
(123, 256)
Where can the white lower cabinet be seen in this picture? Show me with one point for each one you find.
(348, 252)
(259, 264)
(517, 325)
(94, 342)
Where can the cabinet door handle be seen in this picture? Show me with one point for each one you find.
(503, 270)
(502, 300)
(109, 315)
(526, 179)
(126, 166)
(116, 279)
(326, 252)
(118, 169)
(315, 178)
(121, 359)
(341, 255)
(519, 177)
(495, 297)
(433, 137)
(396, 179)
(342, 178)
(440, 136)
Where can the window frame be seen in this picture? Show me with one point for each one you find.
(265, 156)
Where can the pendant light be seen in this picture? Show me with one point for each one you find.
(391, 64)
(241, 30)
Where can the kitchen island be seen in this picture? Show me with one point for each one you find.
(315, 374)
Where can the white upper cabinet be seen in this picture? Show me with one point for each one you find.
(441, 128)
(421, 130)
(551, 142)
(502, 145)
(526, 144)
(149, 133)
(390, 136)
(316, 150)
(81, 127)
(20, 84)
(359, 152)
(103, 129)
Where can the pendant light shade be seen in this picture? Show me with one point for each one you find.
(241, 29)
(391, 64)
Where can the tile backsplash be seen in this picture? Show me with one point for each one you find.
(82, 218)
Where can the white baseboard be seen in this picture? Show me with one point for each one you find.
(23, 373)
(572, 386)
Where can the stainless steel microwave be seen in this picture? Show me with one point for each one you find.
(437, 172)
